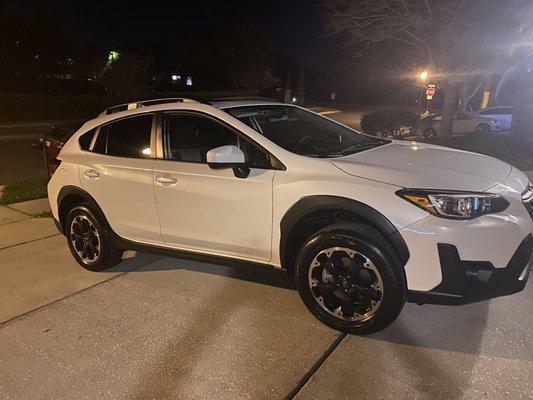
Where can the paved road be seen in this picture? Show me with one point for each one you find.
(18, 160)
(155, 328)
(349, 116)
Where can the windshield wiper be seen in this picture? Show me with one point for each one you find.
(360, 147)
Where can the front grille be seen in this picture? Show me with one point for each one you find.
(527, 198)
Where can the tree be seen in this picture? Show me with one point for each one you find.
(128, 76)
(232, 55)
(457, 39)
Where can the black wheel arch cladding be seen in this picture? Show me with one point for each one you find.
(311, 204)
(67, 192)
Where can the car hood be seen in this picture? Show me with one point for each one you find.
(419, 165)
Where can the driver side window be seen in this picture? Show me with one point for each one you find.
(188, 138)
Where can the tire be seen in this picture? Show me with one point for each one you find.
(430, 133)
(89, 240)
(483, 128)
(380, 285)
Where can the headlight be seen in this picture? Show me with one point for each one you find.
(455, 205)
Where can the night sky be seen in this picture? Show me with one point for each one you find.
(294, 27)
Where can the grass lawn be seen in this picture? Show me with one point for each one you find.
(29, 189)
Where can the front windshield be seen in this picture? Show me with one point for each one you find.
(303, 132)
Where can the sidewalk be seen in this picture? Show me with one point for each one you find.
(36, 267)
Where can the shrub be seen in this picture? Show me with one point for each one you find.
(28, 189)
(391, 121)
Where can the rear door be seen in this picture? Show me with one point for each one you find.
(117, 173)
(462, 123)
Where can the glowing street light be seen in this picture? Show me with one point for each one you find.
(423, 77)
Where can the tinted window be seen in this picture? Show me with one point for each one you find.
(86, 139)
(128, 137)
(303, 132)
(501, 111)
(188, 138)
(497, 111)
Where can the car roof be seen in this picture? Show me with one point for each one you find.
(176, 103)
(222, 104)
(141, 107)
(494, 108)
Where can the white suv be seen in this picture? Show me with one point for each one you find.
(363, 224)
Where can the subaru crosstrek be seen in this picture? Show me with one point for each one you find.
(361, 223)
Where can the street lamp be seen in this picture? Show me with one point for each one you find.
(423, 77)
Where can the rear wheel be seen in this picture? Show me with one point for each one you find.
(430, 133)
(483, 128)
(88, 240)
(350, 279)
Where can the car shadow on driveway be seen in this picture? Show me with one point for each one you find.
(451, 329)
(248, 272)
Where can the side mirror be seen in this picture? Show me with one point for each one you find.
(229, 156)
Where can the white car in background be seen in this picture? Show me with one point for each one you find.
(430, 125)
(360, 223)
(504, 115)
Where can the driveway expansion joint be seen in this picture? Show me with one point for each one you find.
(315, 367)
(30, 312)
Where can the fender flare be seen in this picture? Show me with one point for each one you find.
(70, 190)
(310, 204)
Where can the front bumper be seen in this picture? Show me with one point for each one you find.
(481, 251)
(471, 281)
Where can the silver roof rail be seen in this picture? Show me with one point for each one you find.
(144, 103)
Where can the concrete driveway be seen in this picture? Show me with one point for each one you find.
(155, 328)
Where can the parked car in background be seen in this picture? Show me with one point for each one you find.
(430, 125)
(52, 141)
(504, 115)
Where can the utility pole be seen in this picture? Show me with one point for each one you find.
(287, 89)
(301, 89)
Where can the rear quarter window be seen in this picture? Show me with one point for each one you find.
(128, 137)
(86, 139)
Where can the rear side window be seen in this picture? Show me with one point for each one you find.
(86, 139)
(502, 111)
(128, 137)
(497, 111)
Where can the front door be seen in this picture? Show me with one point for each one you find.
(211, 210)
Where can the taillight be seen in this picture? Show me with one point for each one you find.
(53, 165)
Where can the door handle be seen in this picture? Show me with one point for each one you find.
(166, 180)
(91, 174)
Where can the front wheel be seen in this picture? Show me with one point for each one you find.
(348, 276)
